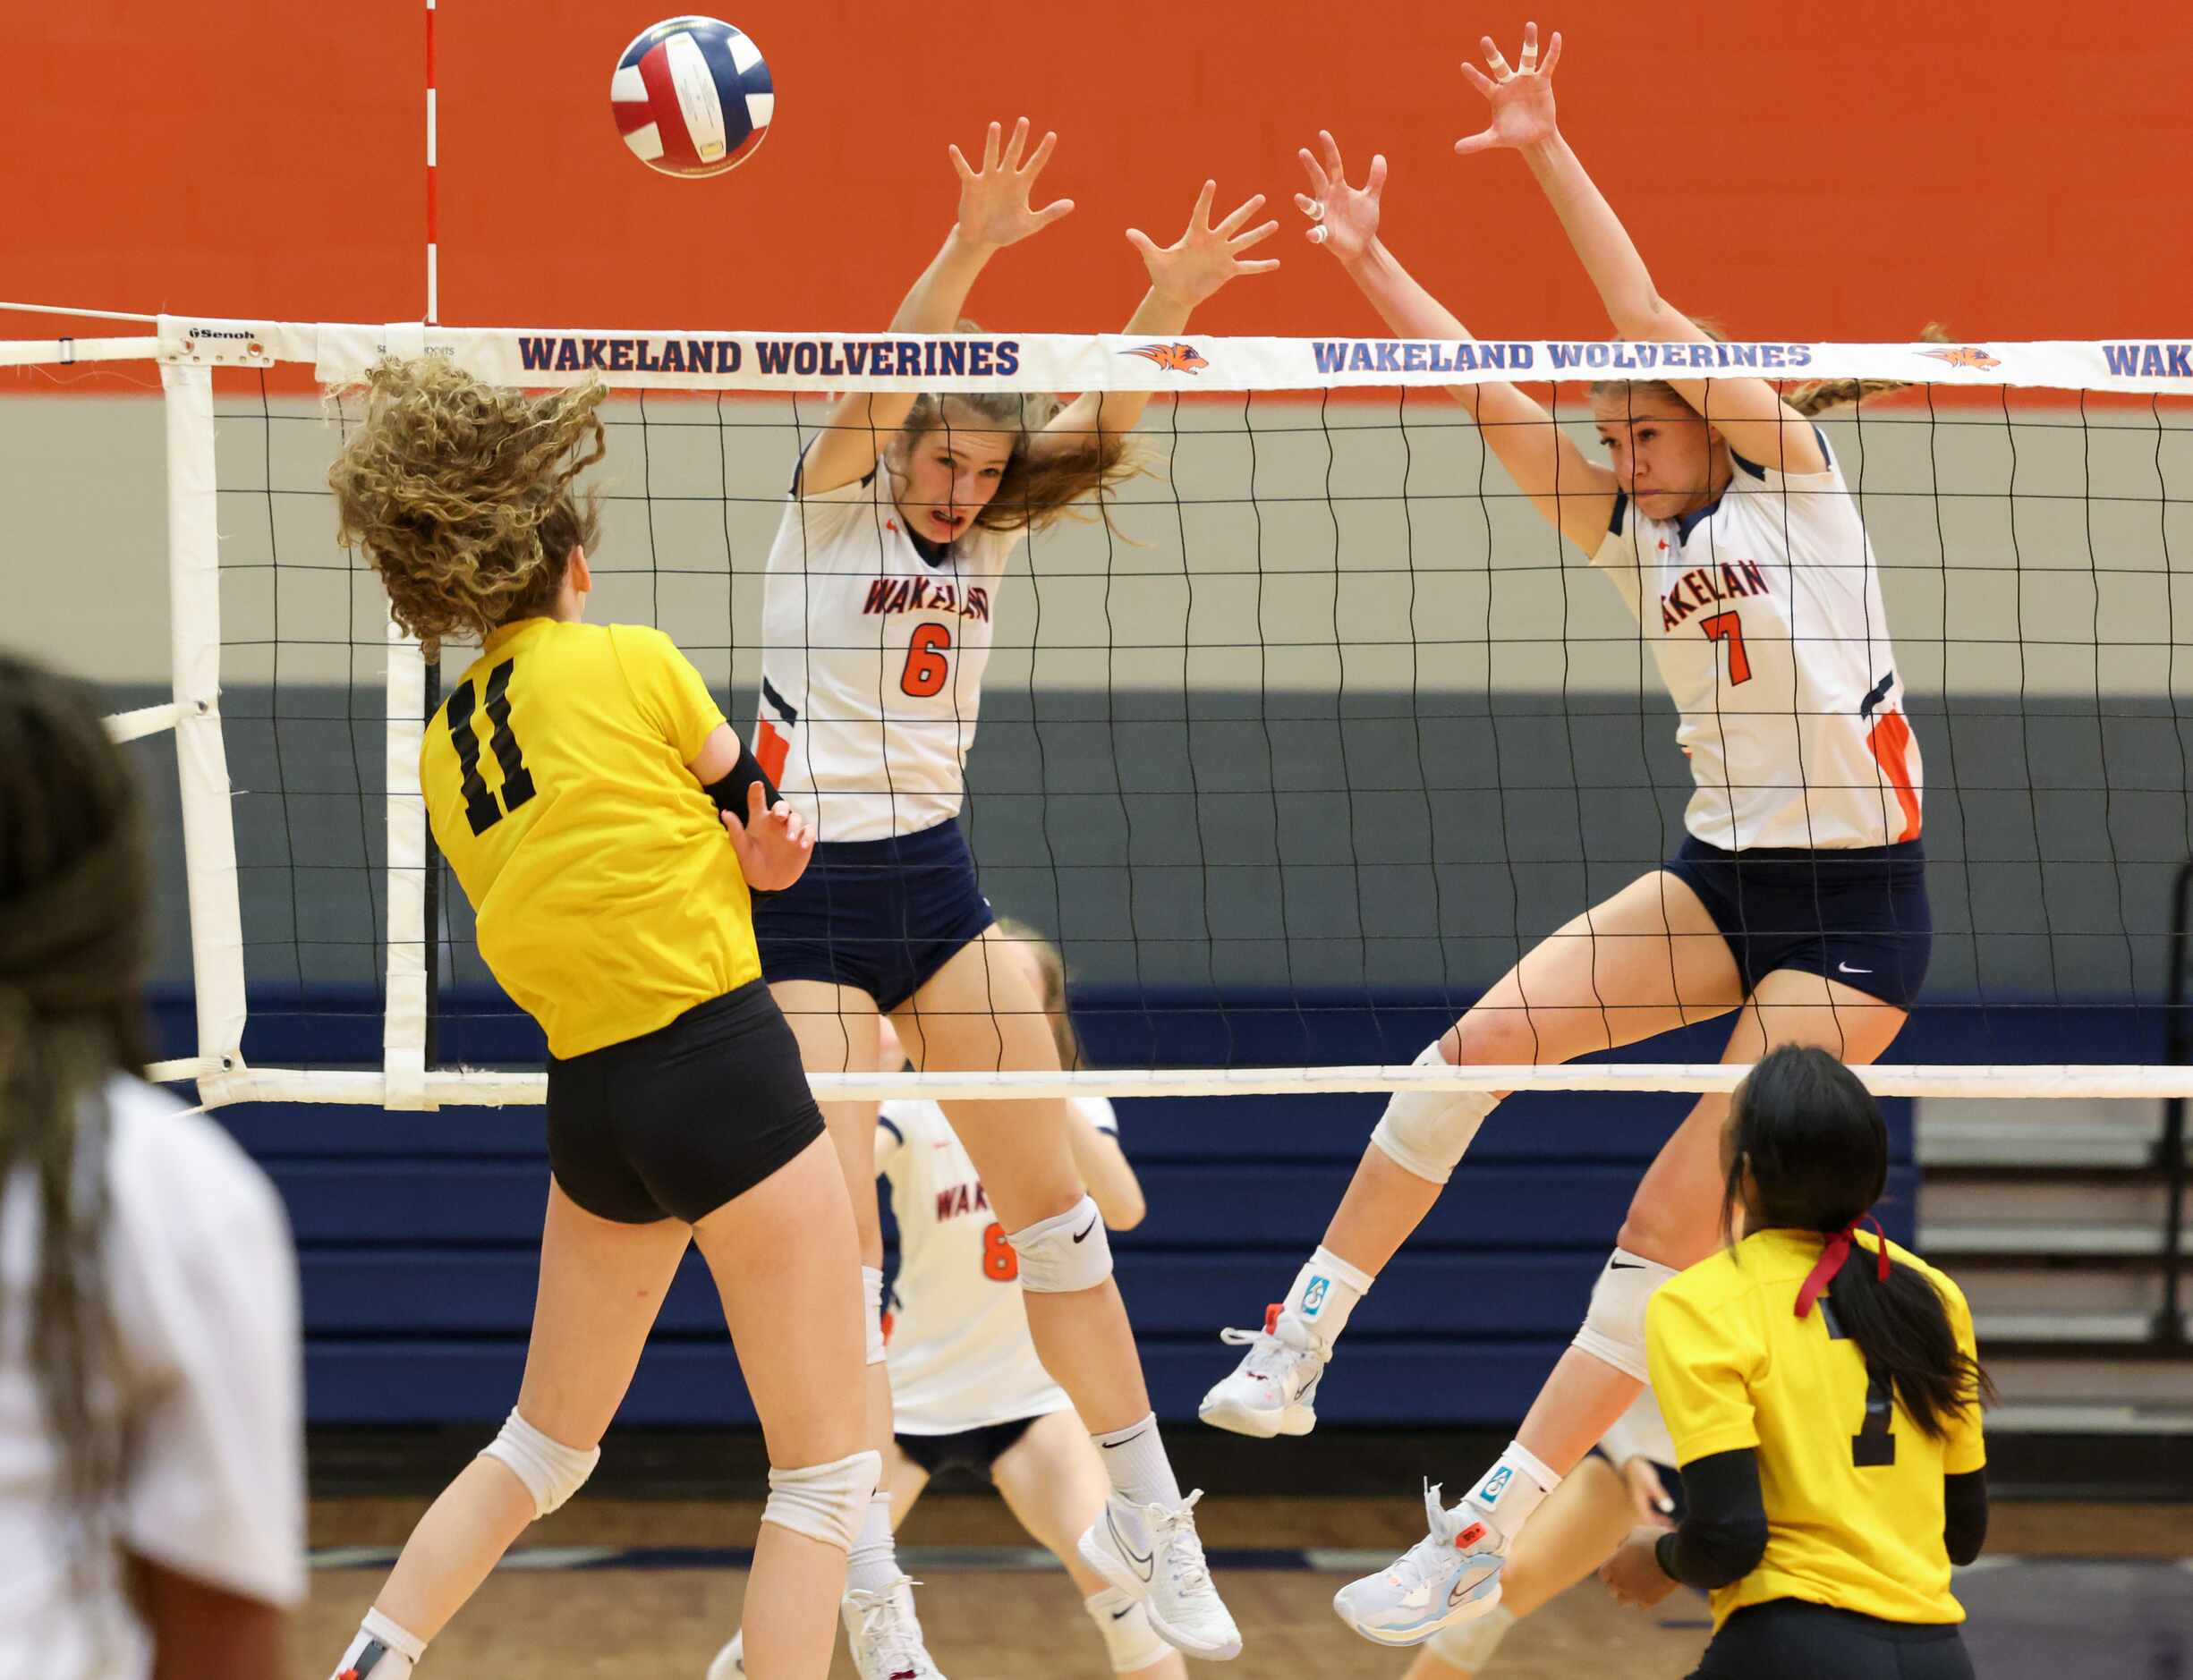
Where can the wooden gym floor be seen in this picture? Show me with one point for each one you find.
(640, 1589)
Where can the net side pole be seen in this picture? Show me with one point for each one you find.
(434, 201)
(403, 1021)
(201, 755)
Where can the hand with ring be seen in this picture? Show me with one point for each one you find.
(1522, 100)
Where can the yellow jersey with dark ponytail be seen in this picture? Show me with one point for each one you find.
(1853, 1490)
(608, 898)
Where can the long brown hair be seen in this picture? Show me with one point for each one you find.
(1816, 397)
(74, 897)
(459, 493)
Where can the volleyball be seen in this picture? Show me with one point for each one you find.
(692, 96)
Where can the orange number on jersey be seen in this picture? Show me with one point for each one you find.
(1730, 628)
(926, 666)
(1000, 1258)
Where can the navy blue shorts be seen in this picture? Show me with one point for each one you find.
(879, 915)
(1859, 917)
(971, 1452)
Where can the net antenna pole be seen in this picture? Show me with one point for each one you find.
(434, 200)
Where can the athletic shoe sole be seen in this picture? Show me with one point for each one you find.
(1114, 1570)
(1455, 1615)
(1240, 1419)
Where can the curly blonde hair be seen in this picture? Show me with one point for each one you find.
(459, 493)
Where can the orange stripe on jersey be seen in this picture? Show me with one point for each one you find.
(1889, 741)
(770, 751)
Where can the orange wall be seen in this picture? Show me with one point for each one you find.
(1819, 171)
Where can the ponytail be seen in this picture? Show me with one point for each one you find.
(1812, 1143)
(1902, 1327)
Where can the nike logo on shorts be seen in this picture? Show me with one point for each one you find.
(1845, 968)
(1084, 1230)
(1624, 1266)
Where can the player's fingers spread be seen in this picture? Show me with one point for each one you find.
(1241, 213)
(960, 164)
(1318, 181)
(1475, 143)
(1376, 182)
(1553, 55)
(1199, 216)
(1044, 147)
(1256, 235)
(1020, 143)
(1317, 235)
(1334, 167)
(1262, 264)
(1315, 209)
(992, 143)
(1051, 213)
(1477, 79)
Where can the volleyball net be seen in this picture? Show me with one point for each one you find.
(1294, 754)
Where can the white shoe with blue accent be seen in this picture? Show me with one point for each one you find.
(1450, 1576)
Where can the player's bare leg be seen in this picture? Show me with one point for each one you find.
(838, 1030)
(1673, 1222)
(981, 1012)
(1646, 961)
(780, 1254)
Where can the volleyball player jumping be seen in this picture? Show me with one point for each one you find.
(967, 1390)
(1798, 900)
(574, 779)
(879, 616)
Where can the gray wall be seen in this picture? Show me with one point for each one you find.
(1330, 709)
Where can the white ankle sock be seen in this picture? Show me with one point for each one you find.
(1324, 1292)
(381, 1651)
(1134, 1459)
(873, 1564)
(1507, 1493)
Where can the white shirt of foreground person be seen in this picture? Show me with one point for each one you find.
(202, 1282)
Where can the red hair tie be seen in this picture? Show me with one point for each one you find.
(1832, 1259)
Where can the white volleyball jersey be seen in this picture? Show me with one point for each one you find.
(200, 1284)
(961, 1357)
(1764, 613)
(872, 663)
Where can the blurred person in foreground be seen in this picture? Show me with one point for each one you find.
(151, 1485)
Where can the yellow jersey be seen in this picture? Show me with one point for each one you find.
(608, 898)
(1853, 1490)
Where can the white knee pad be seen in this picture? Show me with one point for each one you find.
(1066, 1252)
(825, 1502)
(871, 1292)
(1614, 1328)
(1427, 1131)
(1471, 1645)
(1129, 1640)
(551, 1472)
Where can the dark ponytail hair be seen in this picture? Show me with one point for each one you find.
(74, 891)
(1813, 1139)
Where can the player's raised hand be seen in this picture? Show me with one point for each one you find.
(1208, 255)
(1522, 99)
(994, 208)
(1342, 218)
(773, 847)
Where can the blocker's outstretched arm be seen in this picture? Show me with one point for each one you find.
(1750, 413)
(995, 210)
(1187, 272)
(1575, 494)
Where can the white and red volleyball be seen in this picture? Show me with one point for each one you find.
(693, 97)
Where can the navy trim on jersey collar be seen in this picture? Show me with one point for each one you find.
(1621, 506)
(933, 554)
(1689, 523)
